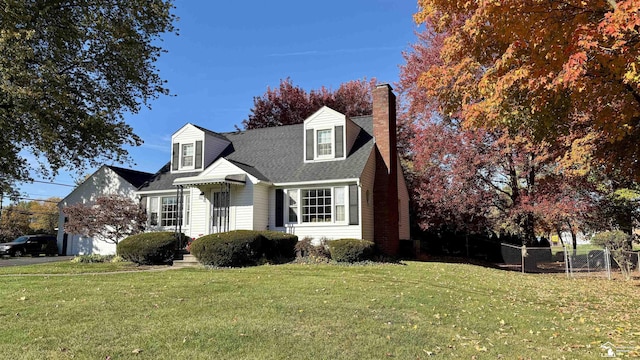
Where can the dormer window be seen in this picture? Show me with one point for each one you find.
(324, 142)
(187, 155)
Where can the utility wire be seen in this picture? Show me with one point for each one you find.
(53, 183)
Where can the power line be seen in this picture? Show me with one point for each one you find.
(53, 183)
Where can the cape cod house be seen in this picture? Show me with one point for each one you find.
(330, 177)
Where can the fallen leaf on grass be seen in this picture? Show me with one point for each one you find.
(136, 351)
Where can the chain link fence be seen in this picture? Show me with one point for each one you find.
(573, 262)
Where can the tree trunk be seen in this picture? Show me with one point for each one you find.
(560, 237)
(529, 230)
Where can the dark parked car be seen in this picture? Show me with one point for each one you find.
(31, 244)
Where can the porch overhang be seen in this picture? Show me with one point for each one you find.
(235, 179)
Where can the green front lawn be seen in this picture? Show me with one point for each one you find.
(407, 311)
(67, 267)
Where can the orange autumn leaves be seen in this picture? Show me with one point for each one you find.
(569, 70)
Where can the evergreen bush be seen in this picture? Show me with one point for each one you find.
(278, 246)
(234, 248)
(149, 248)
(351, 250)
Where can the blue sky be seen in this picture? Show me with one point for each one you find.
(228, 52)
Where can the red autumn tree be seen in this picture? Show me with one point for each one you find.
(111, 218)
(569, 70)
(475, 177)
(290, 104)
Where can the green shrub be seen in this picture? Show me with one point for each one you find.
(149, 248)
(234, 248)
(92, 258)
(278, 246)
(351, 250)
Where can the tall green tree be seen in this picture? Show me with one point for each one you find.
(69, 71)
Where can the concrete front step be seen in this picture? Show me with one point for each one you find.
(187, 260)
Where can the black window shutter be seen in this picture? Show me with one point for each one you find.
(339, 140)
(279, 208)
(175, 157)
(353, 205)
(199, 154)
(309, 144)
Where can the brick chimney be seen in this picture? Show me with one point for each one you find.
(385, 188)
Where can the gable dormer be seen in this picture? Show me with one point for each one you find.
(328, 136)
(193, 148)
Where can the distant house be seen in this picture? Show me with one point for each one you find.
(107, 180)
(330, 177)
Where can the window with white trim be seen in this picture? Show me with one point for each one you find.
(316, 205)
(319, 205)
(187, 155)
(163, 210)
(168, 211)
(324, 143)
(339, 204)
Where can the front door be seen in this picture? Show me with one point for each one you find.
(219, 211)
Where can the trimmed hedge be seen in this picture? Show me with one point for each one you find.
(351, 250)
(279, 246)
(149, 248)
(234, 248)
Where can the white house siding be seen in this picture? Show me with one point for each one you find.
(260, 207)
(324, 118)
(366, 197)
(213, 147)
(199, 213)
(242, 206)
(103, 182)
(221, 168)
(352, 134)
(330, 232)
(403, 206)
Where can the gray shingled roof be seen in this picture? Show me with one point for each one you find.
(134, 177)
(163, 179)
(276, 154)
